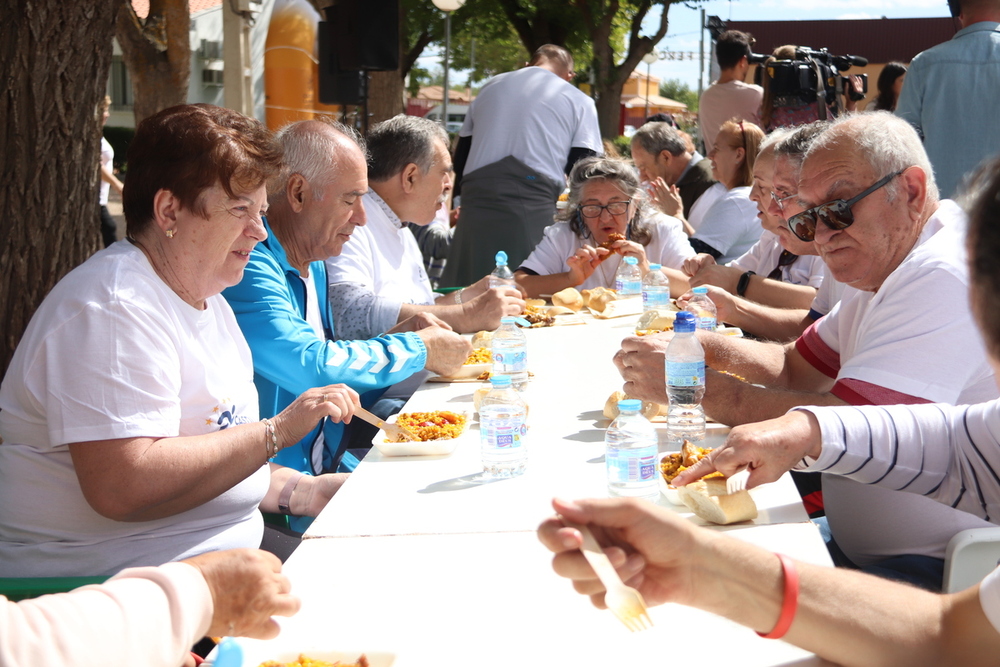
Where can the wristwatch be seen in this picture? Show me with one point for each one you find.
(744, 283)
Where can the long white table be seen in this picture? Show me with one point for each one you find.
(423, 562)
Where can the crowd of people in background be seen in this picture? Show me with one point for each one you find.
(208, 367)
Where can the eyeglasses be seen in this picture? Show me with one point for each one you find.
(614, 208)
(834, 214)
(780, 201)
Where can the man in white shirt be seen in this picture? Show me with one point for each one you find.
(523, 134)
(729, 97)
(872, 207)
(379, 280)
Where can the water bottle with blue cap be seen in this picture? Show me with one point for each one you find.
(630, 453)
(502, 430)
(685, 371)
(655, 290)
(628, 278)
(510, 352)
(502, 275)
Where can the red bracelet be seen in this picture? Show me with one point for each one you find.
(790, 605)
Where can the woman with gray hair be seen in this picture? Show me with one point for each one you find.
(580, 250)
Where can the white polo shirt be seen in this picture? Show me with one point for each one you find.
(762, 258)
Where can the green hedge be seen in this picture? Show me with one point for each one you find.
(119, 138)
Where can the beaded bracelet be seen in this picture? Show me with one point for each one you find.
(790, 604)
(270, 440)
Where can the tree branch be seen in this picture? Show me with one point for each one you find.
(410, 57)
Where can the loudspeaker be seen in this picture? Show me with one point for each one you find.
(366, 34)
(337, 86)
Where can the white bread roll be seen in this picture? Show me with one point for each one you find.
(482, 339)
(708, 499)
(568, 298)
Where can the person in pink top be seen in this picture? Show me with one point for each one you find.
(729, 97)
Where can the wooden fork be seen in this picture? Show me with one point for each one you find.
(394, 431)
(625, 602)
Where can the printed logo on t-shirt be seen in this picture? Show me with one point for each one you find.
(226, 417)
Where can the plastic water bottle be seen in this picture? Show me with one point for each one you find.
(655, 290)
(685, 370)
(502, 430)
(628, 279)
(703, 308)
(630, 453)
(510, 353)
(502, 275)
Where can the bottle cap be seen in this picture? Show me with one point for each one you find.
(631, 260)
(500, 380)
(515, 320)
(684, 322)
(501, 258)
(700, 290)
(654, 267)
(630, 405)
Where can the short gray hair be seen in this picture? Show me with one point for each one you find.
(656, 137)
(883, 141)
(312, 153)
(399, 141)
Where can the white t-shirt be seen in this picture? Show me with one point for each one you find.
(113, 352)
(916, 336)
(762, 258)
(730, 225)
(704, 203)
(107, 157)
(533, 115)
(723, 101)
(668, 246)
(383, 256)
(828, 295)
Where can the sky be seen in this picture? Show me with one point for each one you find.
(683, 33)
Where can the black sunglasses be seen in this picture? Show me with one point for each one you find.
(836, 214)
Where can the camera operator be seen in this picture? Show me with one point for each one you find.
(802, 85)
(729, 97)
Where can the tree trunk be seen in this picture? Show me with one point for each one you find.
(609, 109)
(385, 96)
(55, 57)
(157, 52)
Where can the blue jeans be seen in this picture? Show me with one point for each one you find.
(921, 571)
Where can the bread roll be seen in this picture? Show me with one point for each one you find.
(708, 499)
(568, 298)
(482, 339)
(552, 311)
(477, 396)
(585, 295)
(611, 405)
(600, 297)
(537, 303)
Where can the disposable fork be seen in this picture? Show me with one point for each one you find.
(737, 481)
(394, 431)
(625, 602)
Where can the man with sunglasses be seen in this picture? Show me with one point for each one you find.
(902, 333)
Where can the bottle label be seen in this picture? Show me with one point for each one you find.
(628, 287)
(707, 323)
(506, 434)
(512, 360)
(632, 465)
(655, 300)
(685, 373)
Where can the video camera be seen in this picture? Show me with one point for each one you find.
(801, 77)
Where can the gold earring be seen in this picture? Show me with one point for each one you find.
(169, 233)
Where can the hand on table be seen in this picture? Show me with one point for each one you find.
(652, 548)
(768, 449)
(641, 362)
(692, 265)
(247, 590)
(725, 303)
(485, 311)
(316, 492)
(336, 401)
(446, 350)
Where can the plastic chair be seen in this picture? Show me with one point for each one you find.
(971, 555)
(32, 587)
